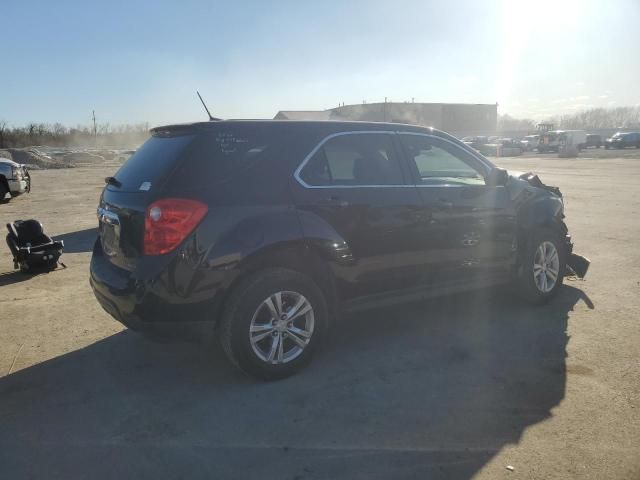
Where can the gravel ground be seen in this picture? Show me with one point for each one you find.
(459, 387)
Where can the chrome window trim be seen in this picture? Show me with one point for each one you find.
(325, 140)
(306, 159)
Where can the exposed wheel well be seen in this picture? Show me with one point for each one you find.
(297, 256)
(525, 235)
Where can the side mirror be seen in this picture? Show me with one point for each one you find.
(497, 177)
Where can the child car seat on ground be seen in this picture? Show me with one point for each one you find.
(32, 249)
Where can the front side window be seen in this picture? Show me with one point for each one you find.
(439, 162)
(357, 159)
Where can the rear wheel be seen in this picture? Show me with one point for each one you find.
(3, 190)
(542, 267)
(273, 322)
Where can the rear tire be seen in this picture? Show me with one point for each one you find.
(268, 304)
(542, 268)
(3, 191)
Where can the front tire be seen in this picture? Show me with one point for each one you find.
(542, 268)
(273, 322)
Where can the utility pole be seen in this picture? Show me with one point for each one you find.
(384, 110)
(95, 130)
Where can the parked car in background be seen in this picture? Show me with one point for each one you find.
(262, 232)
(530, 143)
(501, 147)
(554, 140)
(14, 179)
(623, 140)
(475, 142)
(593, 140)
(510, 145)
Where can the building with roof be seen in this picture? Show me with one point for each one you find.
(457, 118)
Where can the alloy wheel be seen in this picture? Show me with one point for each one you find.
(281, 327)
(546, 267)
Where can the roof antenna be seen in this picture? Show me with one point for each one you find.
(211, 119)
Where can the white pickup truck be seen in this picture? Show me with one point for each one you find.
(14, 178)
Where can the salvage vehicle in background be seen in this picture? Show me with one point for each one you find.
(549, 142)
(530, 143)
(501, 147)
(623, 140)
(261, 233)
(14, 179)
(593, 140)
(554, 140)
(476, 142)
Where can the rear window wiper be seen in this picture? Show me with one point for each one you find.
(112, 181)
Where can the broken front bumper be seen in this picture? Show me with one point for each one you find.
(576, 264)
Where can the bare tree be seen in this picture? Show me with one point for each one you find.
(3, 130)
(507, 123)
(59, 130)
(597, 118)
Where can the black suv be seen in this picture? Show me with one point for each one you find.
(261, 233)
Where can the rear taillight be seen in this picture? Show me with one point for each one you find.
(167, 223)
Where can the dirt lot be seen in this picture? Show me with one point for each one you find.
(460, 387)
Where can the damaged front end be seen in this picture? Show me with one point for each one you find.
(576, 264)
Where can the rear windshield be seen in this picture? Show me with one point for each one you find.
(199, 160)
(154, 159)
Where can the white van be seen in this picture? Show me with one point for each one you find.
(552, 141)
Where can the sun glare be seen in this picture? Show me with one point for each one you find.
(523, 24)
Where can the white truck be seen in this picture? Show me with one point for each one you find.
(14, 178)
(554, 140)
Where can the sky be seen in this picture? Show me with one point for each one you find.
(134, 61)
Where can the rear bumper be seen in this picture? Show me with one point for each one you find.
(132, 302)
(18, 187)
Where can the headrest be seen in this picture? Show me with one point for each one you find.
(28, 229)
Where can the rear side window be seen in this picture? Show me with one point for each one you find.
(219, 155)
(356, 159)
(195, 162)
